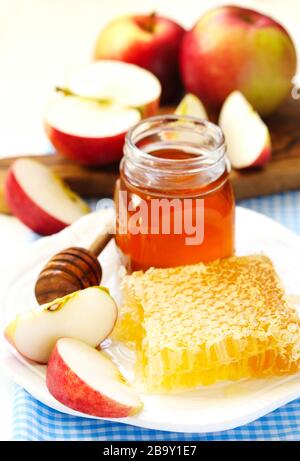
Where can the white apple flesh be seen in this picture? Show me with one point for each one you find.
(247, 136)
(89, 119)
(40, 199)
(107, 98)
(88, 315)
(117, 82)
(86, 380)
(191, 105)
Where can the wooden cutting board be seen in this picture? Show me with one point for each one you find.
(281, 174)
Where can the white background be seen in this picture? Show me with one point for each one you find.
(38, 40)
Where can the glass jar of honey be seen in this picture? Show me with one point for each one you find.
(174, 200)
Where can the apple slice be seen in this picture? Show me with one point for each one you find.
(87, 122)
(191, 105)
(89, 315)
(40, 199)
(247, 136)
(86, 380)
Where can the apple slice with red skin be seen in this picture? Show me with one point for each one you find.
(86, 380)
(88, 315)
(40, 199)
(87, 122)
(247, 136)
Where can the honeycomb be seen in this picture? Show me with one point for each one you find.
(195, 325)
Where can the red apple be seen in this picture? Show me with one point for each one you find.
(149, 41)
(247, 136)
(86, 380)
(233, 48)
(88, 121)
(37, 197)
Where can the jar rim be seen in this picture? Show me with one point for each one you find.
(205, 157)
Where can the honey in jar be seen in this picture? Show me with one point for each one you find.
(174, 200)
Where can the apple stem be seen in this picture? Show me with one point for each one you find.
(150, 24)
(68, 92)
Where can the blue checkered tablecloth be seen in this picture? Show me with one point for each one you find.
(35, 421)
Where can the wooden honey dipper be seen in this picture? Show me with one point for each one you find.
(70, 270)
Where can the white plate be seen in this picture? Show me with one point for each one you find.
(213, 408)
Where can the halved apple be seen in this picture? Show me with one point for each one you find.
(117, 82)
(246, 135)
(89, 315)
(40, 199)
(86, 380)
(191, 105)
(88, 121)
